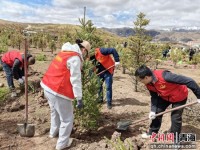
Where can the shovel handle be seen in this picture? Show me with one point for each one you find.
(105, 70)
(142, 120)
(26, 78)
(176, 108)
(164, 112)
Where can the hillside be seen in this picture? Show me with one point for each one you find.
(7, 22)
(118, 34)
(160, 35)
(124, 32)
(56, 28)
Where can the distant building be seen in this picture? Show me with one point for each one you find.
(28, 33)
(194, 43)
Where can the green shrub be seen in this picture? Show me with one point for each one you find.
(87, 118)
(41, 57)
(176, 56)
(3, 93)
(119, 144)
(196, 59)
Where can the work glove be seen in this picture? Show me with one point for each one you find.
(79, 104)
(23, 77)
(21, 81)
(152, 115)
(117, 63)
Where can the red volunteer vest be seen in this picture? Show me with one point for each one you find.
(168, 91)
(105, 60)
(10, 57)
(57, 77)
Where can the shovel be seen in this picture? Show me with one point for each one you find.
(105, 70)
(25, 129)
(124, 124)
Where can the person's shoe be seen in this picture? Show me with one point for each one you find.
(145, 135)
(13, 94)
(100, 101)
(109, 106)
(53, 136)
(67, 146)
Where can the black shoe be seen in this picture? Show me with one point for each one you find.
(100, 101)
(109, 106)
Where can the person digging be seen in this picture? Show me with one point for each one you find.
(166, 89)
(13, 65)
(105, 68)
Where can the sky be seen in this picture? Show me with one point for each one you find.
(103, 13)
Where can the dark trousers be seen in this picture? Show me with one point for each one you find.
(176, 116)
(108, 78)
(9, 76)
(190, 58)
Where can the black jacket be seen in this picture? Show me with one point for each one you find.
(176, 79)
(18, 71)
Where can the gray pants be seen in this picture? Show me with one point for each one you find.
(62, 118)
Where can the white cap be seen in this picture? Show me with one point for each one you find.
(86, 44)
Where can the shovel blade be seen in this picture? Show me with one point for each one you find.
(26, 130)
(123, 125)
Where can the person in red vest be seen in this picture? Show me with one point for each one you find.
(62, 84)
(103, 60)
(13, 65)
(166, 89)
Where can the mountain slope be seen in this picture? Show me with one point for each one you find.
(160, 35)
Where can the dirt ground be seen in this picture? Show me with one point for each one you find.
(127, 104)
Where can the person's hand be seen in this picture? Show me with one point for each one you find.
(21, 81)
(23, 77)
(79, 104)
(152, 115)
(117, 64)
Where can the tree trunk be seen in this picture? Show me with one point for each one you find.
(136, 85)
(156, 64)
(123, 69)
(175, 65)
